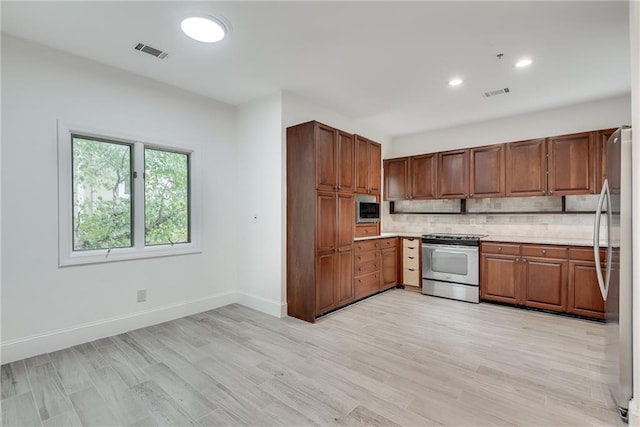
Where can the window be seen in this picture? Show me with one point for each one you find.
(122, 199)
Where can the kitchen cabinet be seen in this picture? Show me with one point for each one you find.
(368, 164)
(487, 171)
(389, 258)
(584, 297)
(320, 219)
(526, 168)
(453, 174)
(602, 136)
(423, 176)
(335, 159)
(411, 262)
(544, 277)
(368, 230)
(571, 164)
(500, 272)
(396, 179)
(549, 277)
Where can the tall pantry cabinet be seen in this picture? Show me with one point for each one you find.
(320, 219)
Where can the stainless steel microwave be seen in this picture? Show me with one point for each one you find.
(367, 209)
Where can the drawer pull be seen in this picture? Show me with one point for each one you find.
(411, 239)
(411, 247)
(412, 269)
(544, 252)
(499, 249)
(411, 257)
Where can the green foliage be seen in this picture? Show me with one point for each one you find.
(102, 199)
(102, 210)
(166, 197)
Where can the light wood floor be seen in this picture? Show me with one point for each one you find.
(400, 358)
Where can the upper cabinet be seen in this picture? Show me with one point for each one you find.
(526, 168)
(453, 175)
(486, 171)
(602, 136)
(555, 166)
(335, 159)
(571, 164)
(396, 179)
(368, 164)
(424, 176)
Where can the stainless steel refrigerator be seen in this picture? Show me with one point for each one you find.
(614, 278)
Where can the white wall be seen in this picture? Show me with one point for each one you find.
(600, 114)
(260, 175)
(45, 307)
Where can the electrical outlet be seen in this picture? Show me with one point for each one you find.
(142, 295)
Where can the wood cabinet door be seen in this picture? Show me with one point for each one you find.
(389, 267)
(325, 279)
(500, 278)
(344, 292)
(346, 221)
(453, 174)
(571, 165)
(375, 165)
(326, 223)
(363, 159)
(487, 175)
(346, 162)
(396, 179)
(326, 158)
(423, 170)
(584, 296)
(545, 283)
(526, 168)
(602, 136)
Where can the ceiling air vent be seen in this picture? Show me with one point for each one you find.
(496, 92)
(151, 50)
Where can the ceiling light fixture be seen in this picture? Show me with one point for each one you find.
(524, 62)
(455, 81)
(205, 29)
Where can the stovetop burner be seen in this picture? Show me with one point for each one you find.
(453, 239)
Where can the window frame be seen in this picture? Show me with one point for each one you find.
(67, 256)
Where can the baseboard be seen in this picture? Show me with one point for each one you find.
(634, 413)
(63, 338)
(265, 305)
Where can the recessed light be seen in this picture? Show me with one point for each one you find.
(524, 62)
(455, 81)
(205, 29)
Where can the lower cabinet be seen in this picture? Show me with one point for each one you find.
(375, 266)
(555, 278)
(334, 279)
(584, 297)
(411, 262)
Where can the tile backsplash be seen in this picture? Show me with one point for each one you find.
(506, 221)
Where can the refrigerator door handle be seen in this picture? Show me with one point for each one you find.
(603, 282)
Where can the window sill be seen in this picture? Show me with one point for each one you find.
(126, 254)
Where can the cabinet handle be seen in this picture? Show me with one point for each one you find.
(544, 252)
(411, 247)
(499, 249)
(471, 194)
(517, 259)
(411, 257)
(375, 265)
(412, 269)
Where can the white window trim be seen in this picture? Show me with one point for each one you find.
(67, 256)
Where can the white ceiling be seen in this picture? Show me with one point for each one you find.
(384, 63)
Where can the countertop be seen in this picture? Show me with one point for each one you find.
(565, 241)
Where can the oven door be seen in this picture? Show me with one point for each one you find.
(451, 263)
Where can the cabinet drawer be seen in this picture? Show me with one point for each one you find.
(367, 267)
(410, 262)
(388, 243)
(544, 251)
(367, 284)
(500, 248)
(585, 254)
(366, 245)
(411, 242)
(366, 230)
(411, 276)
(365, 257)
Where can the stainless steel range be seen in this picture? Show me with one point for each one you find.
(451, 266)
